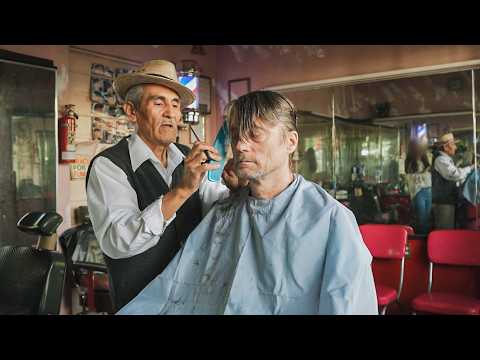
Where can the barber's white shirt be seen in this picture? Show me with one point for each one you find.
(446, 167)
(121, 228)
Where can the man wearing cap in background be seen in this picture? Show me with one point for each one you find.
(446, 181)
(147, 193)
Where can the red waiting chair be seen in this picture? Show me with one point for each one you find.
(450, 247)
(387, 242)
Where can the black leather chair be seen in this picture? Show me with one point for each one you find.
(79, 270)
(32, 279)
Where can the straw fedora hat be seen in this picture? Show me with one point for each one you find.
(159, 72)
(446, 138)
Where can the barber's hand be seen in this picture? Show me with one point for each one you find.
(195, 166)
(230, 177)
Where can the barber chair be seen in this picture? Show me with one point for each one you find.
(32, 278)
(86, 273)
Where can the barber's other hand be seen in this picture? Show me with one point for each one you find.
(195, 166)
(230, 177)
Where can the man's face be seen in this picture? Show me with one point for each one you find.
(159, 115)
(450, 148)
(266, 151)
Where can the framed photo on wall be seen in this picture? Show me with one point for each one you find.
(238, 87)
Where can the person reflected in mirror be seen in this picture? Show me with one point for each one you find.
(447, 180)
(419, 180)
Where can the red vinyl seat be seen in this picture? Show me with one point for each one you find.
(387, 242)
(385, 295)
(446, 303)
(450, 247)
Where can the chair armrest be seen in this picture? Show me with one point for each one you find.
(90, 266)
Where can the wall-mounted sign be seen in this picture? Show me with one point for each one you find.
(78, 169)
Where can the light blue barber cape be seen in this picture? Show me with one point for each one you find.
(298, 253)
(469, 190)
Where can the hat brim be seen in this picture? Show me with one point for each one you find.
(440, 143)
(125, 82)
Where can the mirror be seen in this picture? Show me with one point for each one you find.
(354, 141)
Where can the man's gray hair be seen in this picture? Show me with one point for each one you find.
(134, 95)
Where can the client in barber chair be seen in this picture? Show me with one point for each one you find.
(281, 245)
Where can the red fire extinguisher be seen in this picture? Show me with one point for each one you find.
(66, 134)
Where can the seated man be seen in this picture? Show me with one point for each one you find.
(281, 245)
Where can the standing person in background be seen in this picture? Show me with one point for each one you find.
(419, 180)
(446, 181)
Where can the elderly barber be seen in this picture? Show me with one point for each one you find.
(146, 194)
(446, 181)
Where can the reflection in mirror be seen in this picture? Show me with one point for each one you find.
(314, 155)
(375, 125)
(313, 158)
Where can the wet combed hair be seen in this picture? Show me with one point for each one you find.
(269, 106)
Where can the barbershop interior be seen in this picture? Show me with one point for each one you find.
(371, 122)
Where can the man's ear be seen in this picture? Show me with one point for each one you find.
(130, 111)
(292, 141)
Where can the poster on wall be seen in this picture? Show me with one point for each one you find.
(109, 122)
(101, 85)
(107, 130)
(103, 96)
(78, 169)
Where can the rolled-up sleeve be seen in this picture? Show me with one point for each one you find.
(122, 230)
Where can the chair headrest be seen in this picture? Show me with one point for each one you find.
(40, 223)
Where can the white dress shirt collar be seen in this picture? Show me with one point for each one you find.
(140, 152)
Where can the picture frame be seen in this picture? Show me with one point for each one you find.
(101, 91)
(238, 87)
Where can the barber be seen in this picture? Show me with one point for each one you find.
(447, 179)
(147, 193)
